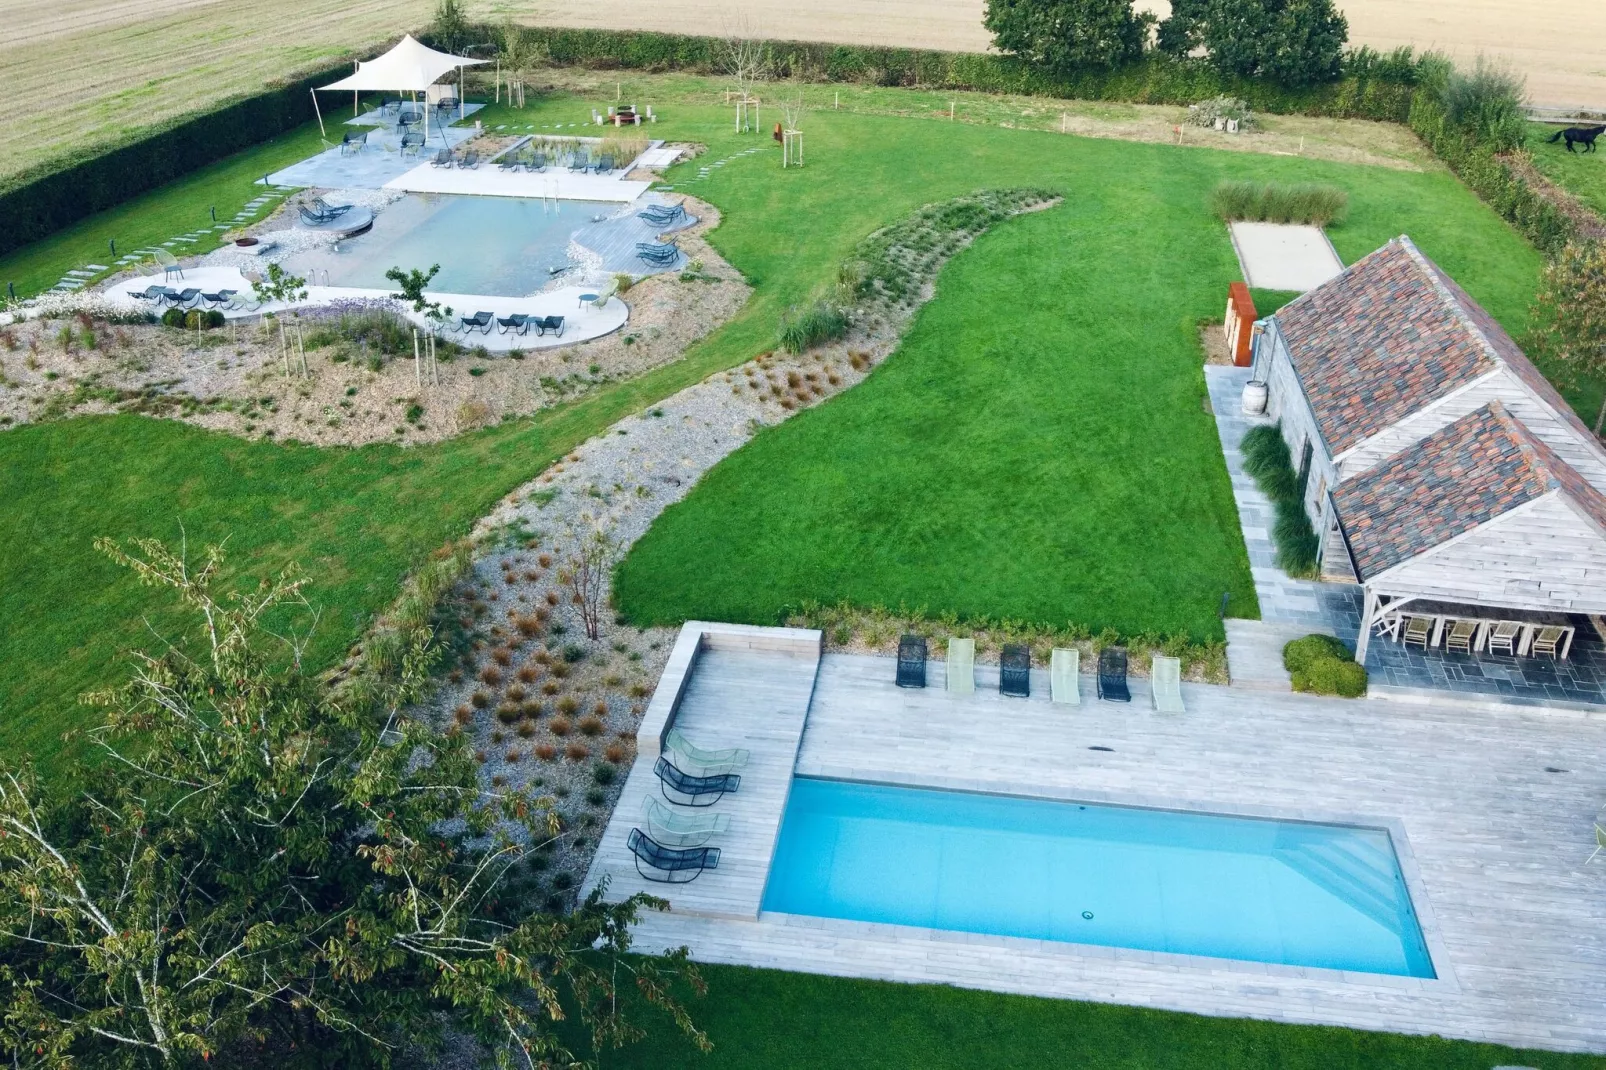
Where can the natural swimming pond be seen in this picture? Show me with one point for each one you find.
(497, 246)
(1290, 892)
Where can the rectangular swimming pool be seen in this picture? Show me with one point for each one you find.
(496, 246)
(1289, 892)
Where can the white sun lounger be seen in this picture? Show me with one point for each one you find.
(961, 667)
(1064, 686)
(1165, 678)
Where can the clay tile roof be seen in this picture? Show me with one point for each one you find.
(1388, 336)
(1461, 476)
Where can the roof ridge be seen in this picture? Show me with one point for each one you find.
(1436, 279)
(1528, 444)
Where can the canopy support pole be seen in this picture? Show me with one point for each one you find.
(319, 113)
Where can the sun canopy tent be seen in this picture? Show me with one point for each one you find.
(410, 67)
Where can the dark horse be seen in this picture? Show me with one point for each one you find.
(1578, 134)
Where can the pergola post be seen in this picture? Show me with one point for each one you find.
(1368, 610)
(318, 112)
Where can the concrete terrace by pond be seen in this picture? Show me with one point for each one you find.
(1491, 815)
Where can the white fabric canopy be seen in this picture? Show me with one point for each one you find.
(409, 66)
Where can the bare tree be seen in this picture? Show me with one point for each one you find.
(586, 575)
(518, 53)
(746, 59)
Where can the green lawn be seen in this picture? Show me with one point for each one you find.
(1583, 174)
(148, 220)
(360, 518)
(1037, 449)
(767, 1020)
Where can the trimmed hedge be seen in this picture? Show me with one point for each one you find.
(1374, 86)
(40, 201)
(1323, 665)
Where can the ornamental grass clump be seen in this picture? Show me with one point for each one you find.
(1272, 202)
(1266, 458)
(802, 328)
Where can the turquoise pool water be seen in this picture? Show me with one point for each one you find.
(1198, 884)
(498, 246)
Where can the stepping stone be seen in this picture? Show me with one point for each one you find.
(95, 267)
(80, 273)
(169, 244)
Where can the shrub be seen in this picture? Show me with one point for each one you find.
(528, 674)
(614, 753)
(516, 693)
(577, 751)
(568, 705)
(591, 726)
(1487, 102)
(1296, 539)
(507, 713)
(814, 324)
(1206, 112)
(491, 675)
(1292, 43)
(545, 751)
(1300, 653)
(1273, 203)
(480, 700)
(1067, 36)
(173, 317)
(560, 726)
(604, 773)
(1322, 665)
(214, 319)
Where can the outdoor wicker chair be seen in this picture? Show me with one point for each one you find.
(1418, 630)
(1548, 641)
(170, 265)
(679, 829)
(683, 789)
(1015, 671)
(412, 143)
(1459, 638)
(1064, 676)
(704, 763)
(479, 321)
(1503, 637)
(1112, 675)
(911, 661)
(666, 865)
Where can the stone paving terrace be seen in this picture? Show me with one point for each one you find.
(1492, 814)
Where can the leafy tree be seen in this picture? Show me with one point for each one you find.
(450, 28)
(1292, 42)
(1570, 313)
(1487, 103)
(273, 868)
(411, 286)
(1064, 36)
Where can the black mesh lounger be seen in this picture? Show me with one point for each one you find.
(670, 865)
(479, 321)
(912, 661)
(518, 323)
(549, 323)
(1112, 675)
(693, 790)
(1015, 671)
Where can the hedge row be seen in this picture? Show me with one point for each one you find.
(1489, 176)
(1374, 87)
(44, 199)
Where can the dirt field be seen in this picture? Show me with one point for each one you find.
(79, 71)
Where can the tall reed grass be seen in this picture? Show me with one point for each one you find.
(1270, 202)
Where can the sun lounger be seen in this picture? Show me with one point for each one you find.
(1165, 680)
(666, 865)
(1064, 682)
(186, 298)
(443, 158)
(911, 661)
(518, 323)
(469, 160)
(604, 165)
(660, 215)
(549, 323)
(150, 293)
(961, 666)
(479, 321)
(580, 163)
(536, 162)
(1503, 637)
(657, 255)
(323, 207)
(1112, 675)
(1015, 671)
(679, 829)
(683, 789)
(221, 299)
(703, 763)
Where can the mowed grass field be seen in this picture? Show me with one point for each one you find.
(1038, 449)
(359, 519)
(1583, 174)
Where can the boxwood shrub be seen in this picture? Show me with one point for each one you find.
(1323, 665)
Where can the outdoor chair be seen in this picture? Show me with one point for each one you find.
(1503, 638)
(537, 163)
(604, 164)
(1015, 671)
(704, 763)
(1112, 675)
(170, 266)
(1165, 679)
(221, 299)
(509, 161)
(580, 163)
(960, 669)
(323, 207)
(446, 104)
(911, 661)
(412, 143)
(1459, 638)
(549, 323)
(662, 214)
(150, 293)
(443, 158)
(1548, 641)
(1064, 680)
(1418, 630)
(678, 829)
(353, 141)
(186, 298)
(657, 255)
(479, 321)
(469, 160)
(668, 865)
(518, 323)
(683, 789)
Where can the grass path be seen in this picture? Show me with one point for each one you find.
(359, 519)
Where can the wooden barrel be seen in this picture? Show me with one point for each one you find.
(1254, 403)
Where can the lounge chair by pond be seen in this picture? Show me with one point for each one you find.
(1064, 679)
(517, 323)
(220, 299)
(911, 661)
(580, 163)
(185, 298)
(679, 829)
(469, 160)
(443, 158)
(150, 293)
(536, 162)
(699, 762)
(961, 666)
(668, 865)
(1165, 679)
(549, 323)
(604, 164)
(683, 789)
(657, 255)
(1015, 671)
(1112, 675)
(660, 215)
(479, 321)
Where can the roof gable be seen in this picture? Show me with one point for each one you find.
(1388, 336)
(1458, 478)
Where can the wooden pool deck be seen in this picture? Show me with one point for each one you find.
(1493, 842)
